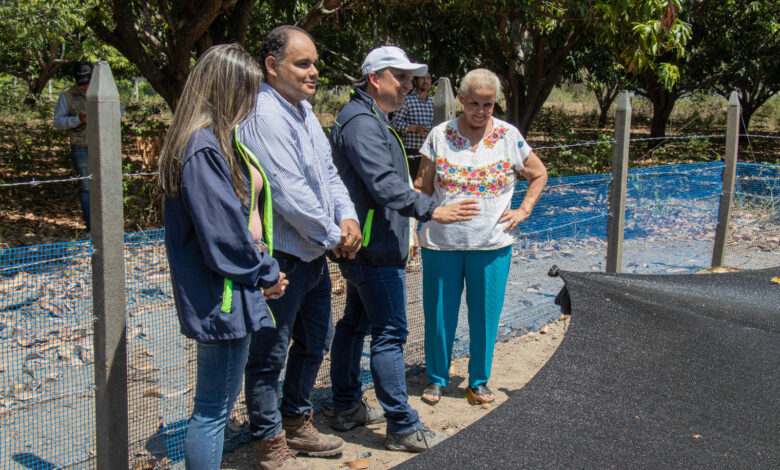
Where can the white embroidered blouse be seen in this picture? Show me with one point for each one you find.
(487, 174)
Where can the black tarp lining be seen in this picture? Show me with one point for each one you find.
(655, 371)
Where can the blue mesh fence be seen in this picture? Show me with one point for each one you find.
(46, 362)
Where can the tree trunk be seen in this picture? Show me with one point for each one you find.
(543, 69)
(663, 103)
(605, 96)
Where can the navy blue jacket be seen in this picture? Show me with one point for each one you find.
(216, 271)
(372, 163)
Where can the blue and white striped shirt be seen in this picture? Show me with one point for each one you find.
(309, 198)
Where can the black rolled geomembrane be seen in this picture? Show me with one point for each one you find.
(655, 371)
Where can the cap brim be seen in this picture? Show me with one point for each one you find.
(418, 70)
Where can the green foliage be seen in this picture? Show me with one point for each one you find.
(329, 102)
(150, 116)
(38, 37)
(555, 123)
(590, 159)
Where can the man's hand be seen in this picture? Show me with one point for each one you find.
(456, 212)
(418, 128)
(350, 239)
(277, 290)
(514, 217)
(83, 117)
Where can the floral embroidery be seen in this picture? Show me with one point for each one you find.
(487, 181)
(497, 134)
(454, 138)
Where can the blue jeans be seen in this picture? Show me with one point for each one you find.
(220, 370)
(303, 314)
(376, 304)
(80, 158)
(485, 274)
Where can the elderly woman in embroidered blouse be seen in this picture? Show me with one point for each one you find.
(474, 156)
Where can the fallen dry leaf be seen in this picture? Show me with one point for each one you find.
(363, 460)
(157, 394)
(696, 436)
(151, 464)
(776, 280)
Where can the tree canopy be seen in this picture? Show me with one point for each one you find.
(39, 37)
(665, 47)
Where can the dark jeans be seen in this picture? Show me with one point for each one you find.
(376, 304)
(304, 315)
(80, 158)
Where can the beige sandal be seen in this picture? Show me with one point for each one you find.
(433, 390)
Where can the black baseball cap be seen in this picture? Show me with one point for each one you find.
(82, 73)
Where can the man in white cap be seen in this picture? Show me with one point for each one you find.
(371, 162)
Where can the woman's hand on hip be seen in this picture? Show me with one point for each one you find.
(513, 217)
(460, 211)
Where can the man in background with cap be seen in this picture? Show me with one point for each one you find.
(71, 114)
(370, 158)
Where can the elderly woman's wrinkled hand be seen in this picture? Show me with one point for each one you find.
(513, 217)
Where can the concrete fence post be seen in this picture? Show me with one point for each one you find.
(443, 102)
(108, 269)
(729, 176)
(617, 189)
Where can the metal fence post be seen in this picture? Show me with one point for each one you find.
(108, 269)
(443, 102)
(729, 176)
(617, 189)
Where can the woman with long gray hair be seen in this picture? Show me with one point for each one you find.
(221, 268)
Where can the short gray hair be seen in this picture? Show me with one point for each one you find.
(480, 78)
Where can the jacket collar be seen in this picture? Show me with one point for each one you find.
(364, 98)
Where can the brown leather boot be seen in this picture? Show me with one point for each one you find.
(272, 454)
(303, 437)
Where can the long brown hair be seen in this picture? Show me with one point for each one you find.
(219, 93)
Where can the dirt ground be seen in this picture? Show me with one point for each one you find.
(516, 361)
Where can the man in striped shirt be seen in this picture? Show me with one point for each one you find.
(312, 214)
(415, 120)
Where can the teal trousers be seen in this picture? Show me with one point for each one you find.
(484, 274)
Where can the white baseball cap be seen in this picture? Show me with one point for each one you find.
(391, 56)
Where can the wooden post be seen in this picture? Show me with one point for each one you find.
(443, 102)
(135, 88)
(108, 269)
(729, 175)
(617, 189)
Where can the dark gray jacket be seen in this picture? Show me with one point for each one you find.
(372, 163)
